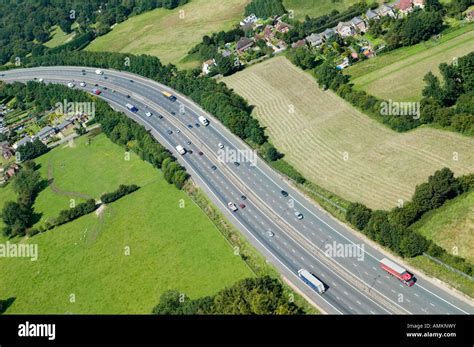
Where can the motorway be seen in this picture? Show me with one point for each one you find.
(354, 281)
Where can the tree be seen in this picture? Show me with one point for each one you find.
(16, 218)
(358, 215)
(413, 244)
(265, 8)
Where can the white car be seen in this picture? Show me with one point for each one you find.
(82, 84)
(99, 72)
(40, 80)
(149, 114)
(270, 233)
(232, 206)
(220, 145)
(71, 85)
(299, 215)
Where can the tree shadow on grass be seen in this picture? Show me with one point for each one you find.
(5, 304)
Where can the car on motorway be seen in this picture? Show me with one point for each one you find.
(270, 233)
(160, 116)
(188, 142)
(232, 206)
(98, 72)
(82, 84)
(128, 96)
(40, 80)
(96, 91)
(197, 125)
(200, 153)
(220, 145)
(284, 193)
(71, 85)
(243, 197)
(131, 81)
(242, 205)
(96, 85)
(173, 113)
(214, 168)
(83, 70)
(178, 131)
(236, 163)
(169, 132)
(190, 126)
(299, 215)
(148, 114)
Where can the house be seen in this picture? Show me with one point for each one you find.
(385, 10)
(7, 152)
(243, 44)
(345, 29)
(282, 27)
(470, 16)
(328, 33)
(371, 15)
(358, 24)
(22, 142)
(207, 66)
(249, 20)
(344, 64)
(315, 40)
(404, 6)
(419, 3)
(12, 170)
(298, 44)
(268, 33)
(45, 133)
(65, 125)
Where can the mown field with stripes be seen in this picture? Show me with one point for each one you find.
(340, 148)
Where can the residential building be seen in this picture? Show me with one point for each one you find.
(371, 15)
(243, 44)
(282, 27)
(45, 133)
(22, 142)
(385, 10)
(249, 20)
(207, 66)
(299, 43)
(345, 29)
(404, 6)
(470, 16)
(328, 33)
(358, 24)
(315, 40)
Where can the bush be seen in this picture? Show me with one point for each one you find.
(358, 215)
(120, 192)
(71, 214)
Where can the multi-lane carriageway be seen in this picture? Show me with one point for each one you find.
(355, 284)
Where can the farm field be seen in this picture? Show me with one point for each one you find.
(170, 247)
(451, 226)
(167, 34)
(316, 8)
(339, 148)
(398, 75)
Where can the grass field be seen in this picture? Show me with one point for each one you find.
(58, 37)
(451, 226)
(170, 247)
(165, 34)
(382, 166)
(398, 75)
(316, 8)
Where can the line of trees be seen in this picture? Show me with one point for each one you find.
(71, 214)
(18, 215)
(392, 228)
(32, 150)
(122, 190)
(261, 295)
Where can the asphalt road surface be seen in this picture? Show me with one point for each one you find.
(354, 281)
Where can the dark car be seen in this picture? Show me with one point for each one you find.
(83, 70)
(197, 125)
(200, 153)
(96, 85)
(284, 193)
(169, 132)
(173, 113)
(213, 167)
(190, 151)
(241, 205)
(189, 142)
(160, 116)
(243, 197)
(190, 126)
(83, 73)
(128, 96)
(105, 88)
(236, 164)
(131, 81)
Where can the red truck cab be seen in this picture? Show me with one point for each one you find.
(399, 272)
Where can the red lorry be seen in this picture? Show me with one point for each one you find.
(397, 271)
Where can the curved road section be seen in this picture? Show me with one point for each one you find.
(289, 230)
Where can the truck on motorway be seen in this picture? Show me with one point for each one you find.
(397, 271)
(181, 150)
(311, 281)
(203, 120)
(131, 107)
(169, 96)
